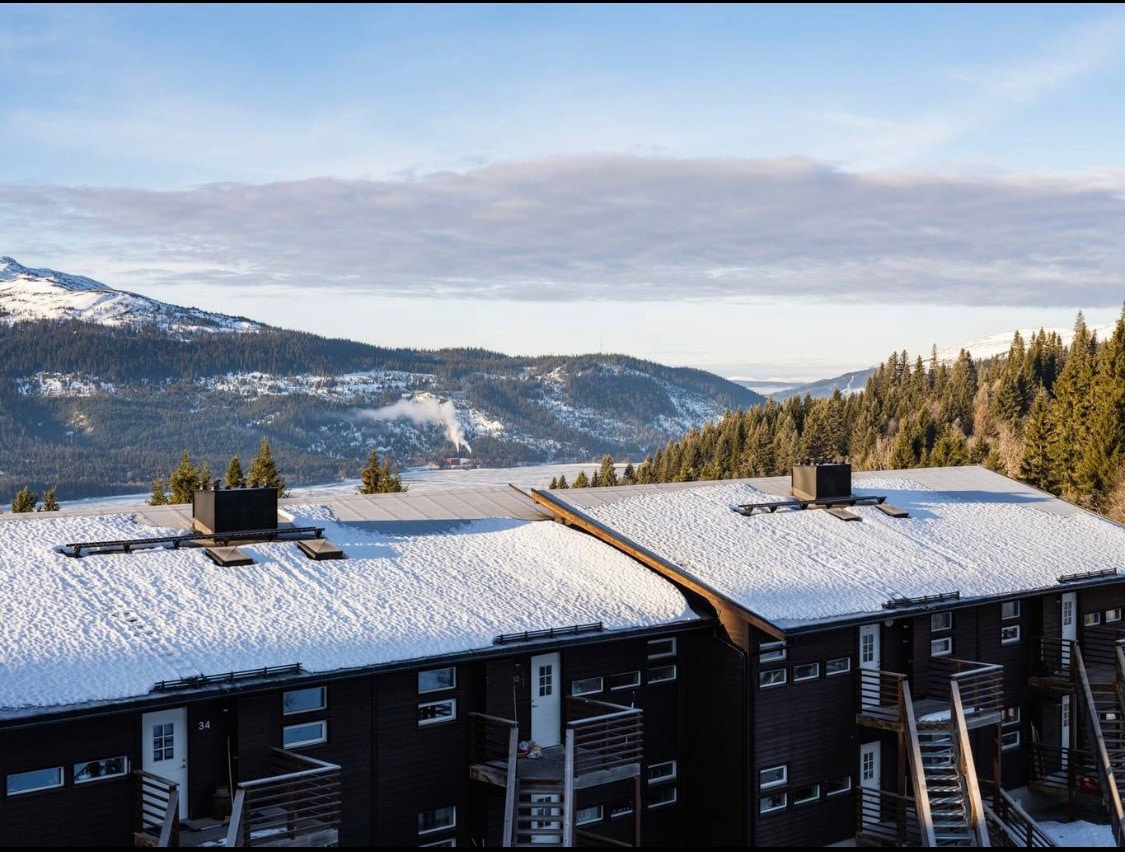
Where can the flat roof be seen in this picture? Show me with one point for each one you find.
(424, 577)
(970, 530)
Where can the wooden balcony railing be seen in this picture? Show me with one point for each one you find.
(879, 696)
(981, 686)
(1009, 824)
(300, 805)
(1050, 657)
(603, 736)
(1099, 647)
(885, 817)
(157, 810)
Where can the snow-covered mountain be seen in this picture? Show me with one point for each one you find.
(999, 343)
(45, 294)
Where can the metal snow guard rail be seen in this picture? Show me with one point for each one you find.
(528, 635)
(749, 509)
(903, 603)
(195, 681)
(126, 545)
(1087, 575)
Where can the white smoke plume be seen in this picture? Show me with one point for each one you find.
(423, 409)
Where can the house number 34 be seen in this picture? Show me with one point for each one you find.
(205, 725)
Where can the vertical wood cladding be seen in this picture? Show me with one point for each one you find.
(210, 723)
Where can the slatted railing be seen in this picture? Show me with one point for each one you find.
(299, 805)
(494, 741)
(1050, 657)
(886, 818)
(157, 810)
(1103, 765)
(1008, 823)
(1055, 769)
(606, 736)
(1099, 648)
(981, 687)
(879, 695)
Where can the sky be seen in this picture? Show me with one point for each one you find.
(767, 191)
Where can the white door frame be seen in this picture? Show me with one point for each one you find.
(1068, 620)
(167, 756)
(546, 699)
(870, 656)
(871, 773)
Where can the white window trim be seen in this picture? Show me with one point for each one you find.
(814, 676)
(947, 641)
(1019, 610)
(1116, 612)
(948, 616)
(809, 800)
(1091, 619)
(449, 841)
(439, 688)
(61, 782)
(323, 739)
(633, 685)
(438, 720)
(772, 652)
(675, 797)
(323, 701)
(662, 655)
(79, 781)
(449, 827)
(660, 779)
(675, 673)
(784, 678)
(623, 814)
(1010, 745)
(1010, 640)
(578, 820)
(842, 790)
(784, 803)
(844, 670)
(784, 767)
(574, 690)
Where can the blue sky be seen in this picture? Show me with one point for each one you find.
(688, 184)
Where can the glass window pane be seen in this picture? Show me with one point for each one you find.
(586, 686)
(438, 819)
(307, 733)
(661, 674)
(625, 680)
(37, 779)
(93, 770)
(437, 679)
(304, 700)
(435, 712)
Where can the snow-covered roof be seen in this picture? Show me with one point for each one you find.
(415, 585)
(970, 531)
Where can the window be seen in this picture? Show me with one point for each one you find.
(37, 779)
(546, 677)
(163, 741)
(1009, 715)
(773, 776)
(1010, 728)
(662, 796)
(665, 771)
(1009, 634)
(1092, 619)
(661, 674)
(941, 621)
(804, 795)
(585, 816)
(771, 677)
(449, 841)
(304, 700)
(867, 766)
(96, 770)
(772, 802)
(808, 671)
(659, 648)
(840, 785)
(771, 652)
(866, 646)
(439, 819)
(436, 712)
(306, 733)
(1010, 609)
(587, 686)
(941, 647)
(838, 666)
(622, 810)
(435, 680)
(1067, 611)
(1112, 615)
(625, 680)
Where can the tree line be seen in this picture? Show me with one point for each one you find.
(1049, 414)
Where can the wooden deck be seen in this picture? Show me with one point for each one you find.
(549, 767)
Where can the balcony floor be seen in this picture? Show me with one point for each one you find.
(548, 768)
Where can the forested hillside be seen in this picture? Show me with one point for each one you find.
(1049, 414)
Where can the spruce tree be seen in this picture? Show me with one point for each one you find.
(183, 481)
(1103, 451)
(264, 473)
(235, 477)
(629, 475)
(1036, 466)
(595, 480)
(371, 478)
(563, 484)
(1070, 410)
(25, 500)
(554, 483)
(389, 480)
(581, 481)
(159, 496)
(50, 504)
(203, 477)
(608, 473)
(950, 450)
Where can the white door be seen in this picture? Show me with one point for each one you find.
(1069, 624)
(1064, 735)
(869, 659)
(870, 778)
(546, 700)
(164, 746)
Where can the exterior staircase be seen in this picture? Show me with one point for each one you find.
(945, 788)
(541, 817)
(1101, 718)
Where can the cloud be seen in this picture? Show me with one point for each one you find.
(612, 227)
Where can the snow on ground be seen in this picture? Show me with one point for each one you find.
(110, 626)
(798, 566)
(63, 385)
(1079, 833)
(1000, 343)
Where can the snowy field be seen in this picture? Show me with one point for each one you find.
(1079, 833)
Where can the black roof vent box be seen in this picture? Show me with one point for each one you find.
(822, 480)
(227, 510)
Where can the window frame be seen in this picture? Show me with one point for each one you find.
(635, 684)
(1019, 610)
(305, 743)
(846, 781)
(662, 655)
(814, 676)
(947, 640)
(1010, 739)
(675, 669)
(422, 832)
(808, 800)
(1091, 619)
(10, 775)
(448, 841)
(1116, 611)
(1009, 628)
(578, 820)
(124, 758)
(784, 767)
(576, 692)
(436, 688)
(828, 664)
(660, 779)
(947, 616)
(323, 700)
(780, 794)
(773, 652)
(764, 673)
(624, 813)
(663, 791)
(437, 720)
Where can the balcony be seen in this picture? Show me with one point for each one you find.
(880, 695)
